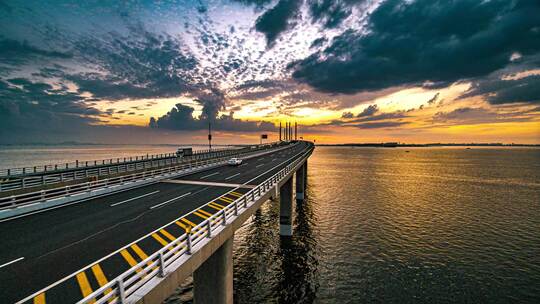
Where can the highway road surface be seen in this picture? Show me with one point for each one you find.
(107, 235)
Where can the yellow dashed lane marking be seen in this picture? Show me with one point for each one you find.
(200, 214)
(233, 193)
(226, 199)
(167, 234)
(185, 220)
(214, 206)
(219, 205)
(84, 285)
(129, 258)
(205, 213)
(100, 277)
(159, 239)
(187, 228)
(39, 299)
(139, 251)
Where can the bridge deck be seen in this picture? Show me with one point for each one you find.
(49, 247)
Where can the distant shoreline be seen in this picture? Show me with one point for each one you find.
(398, 145)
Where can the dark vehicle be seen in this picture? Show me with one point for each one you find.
(181, 152)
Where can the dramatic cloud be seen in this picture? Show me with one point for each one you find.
(181, 118)
(369, 111)
(409, 43)
(139, 65)
(469, 115)
(365, 64)
(15, 52)
(278, 19)
(331, 13)
(26, 105)
(500, 91)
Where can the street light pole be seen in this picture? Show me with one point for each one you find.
(209, 136)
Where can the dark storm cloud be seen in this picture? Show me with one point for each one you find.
(369, 111)
(16, 52)
(501, 91)
(181, 118)
(410, 43)
(140, 65)
(470, 115)
(256, 90)
(258, 3)
(380, 125)
(278, 19)
(331, 13)
(27, 105)
(433, 99)
(368, 120)
(347, 115)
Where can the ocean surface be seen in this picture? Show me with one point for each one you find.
(26, 156)
(383, 225)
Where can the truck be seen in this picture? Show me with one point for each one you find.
(181, 152)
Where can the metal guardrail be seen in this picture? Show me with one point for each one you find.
(17, 172)
(15, 201)
(34, 181)
(120, 288)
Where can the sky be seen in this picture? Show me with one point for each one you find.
(411, 71)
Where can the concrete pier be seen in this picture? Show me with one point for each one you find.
(300, 183)
(213, 280)
(285, 208)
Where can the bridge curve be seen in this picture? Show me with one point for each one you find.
(137, 245)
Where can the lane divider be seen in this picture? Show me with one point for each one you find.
(171, 200)
(14, 261)
(227, 178)
(134, 198)
(203, 177)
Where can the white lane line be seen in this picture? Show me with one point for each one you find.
(134, 198)
(203, 177)
(171, 200)
(232, 176)
(203, 189)
(14, 261)
(259, 165)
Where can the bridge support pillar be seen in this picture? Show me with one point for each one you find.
(300, 183)
(213, 280)
(285, 208)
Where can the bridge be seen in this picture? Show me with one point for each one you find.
(121, 235)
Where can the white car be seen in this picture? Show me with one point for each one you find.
(234, 161)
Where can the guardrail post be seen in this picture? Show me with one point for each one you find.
(236, 207)
(224, 217)
(23, 183)
(121, 290)
(161, 265)
(209, 227)
(188, 243)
